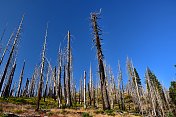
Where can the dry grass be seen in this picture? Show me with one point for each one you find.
(28, 110)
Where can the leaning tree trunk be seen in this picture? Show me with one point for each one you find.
(11, 52)
(6, 92)
(6, 48)
(104, 93)
(41, 72)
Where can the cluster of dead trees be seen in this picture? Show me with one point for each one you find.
(57, 82)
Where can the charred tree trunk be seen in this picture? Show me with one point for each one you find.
(59, 81)
(25, 92)
(84, 89)
(20, 80)
(41, 72)
(55, 86)
(69, 102)
(6, 92)
(65, 91)
(6, 48)
(11, 52)
(104, 93)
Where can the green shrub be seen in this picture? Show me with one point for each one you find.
(18, 111)
(110, 112)
(84, 114)
(99, 112)
(170, 114)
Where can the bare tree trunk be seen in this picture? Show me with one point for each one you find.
(153, 104)
(84, 89)
(20, 80)
(104, 93)
(65, 91)
(59, 80)
(6, 92)
(11, 52)
(69, 102)
(6, 48)
(25, 92)
(55, 86)
(41, 72)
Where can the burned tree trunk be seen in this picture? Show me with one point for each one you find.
(65, 91)
(55, 86)
(69, 102)
(11, 53)
(6, 92)
(96, 30)
(59, 81)
(20, 80)
(41, 72)
(84, 89)
(25, 92)
(6, 48)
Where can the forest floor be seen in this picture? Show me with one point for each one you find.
(18, 107)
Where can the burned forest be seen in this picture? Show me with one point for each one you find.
(52, 89)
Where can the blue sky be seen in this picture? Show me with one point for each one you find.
(143, 30)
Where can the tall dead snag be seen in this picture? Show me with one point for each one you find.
(65, 91)
(15, 43)
(84, 89)
(59, 90)
(6, 92)
(41, 71)
(96, 32)
(25, 92)
(6, 48)
(69, 102)
(80, 94)
(20, 80)
(90, 87)
(55, 86)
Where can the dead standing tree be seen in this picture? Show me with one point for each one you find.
(96, 32)
(20, 80)
(15, 44)
(69, 102)
(41, 71)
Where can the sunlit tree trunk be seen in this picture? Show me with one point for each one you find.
(104, 93)
(41, 72)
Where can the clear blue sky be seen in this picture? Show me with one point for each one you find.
(143, 30)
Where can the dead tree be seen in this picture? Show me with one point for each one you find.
(6, 48)
(96, 32)
(25, 92)
(41, 72)
(84, 89)
(16, 40)
(69, 102)
(65, 91)
(6, 92)
(32, 83)
(59, 80)
(81, 90)
(55, 86)
(90, 86)
(20, 80)
(151, 93)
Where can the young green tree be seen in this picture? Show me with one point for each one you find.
(172, 92)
